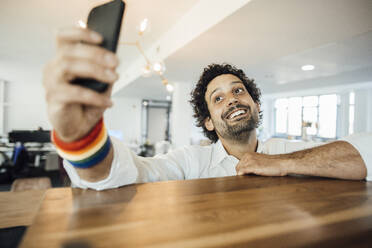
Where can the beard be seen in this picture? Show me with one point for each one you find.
(240, 130)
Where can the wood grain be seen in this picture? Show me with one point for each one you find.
(244, 211)
(19, 208)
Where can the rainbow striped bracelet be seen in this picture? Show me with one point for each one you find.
(88, 151)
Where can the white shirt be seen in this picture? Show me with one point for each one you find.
(192, 162)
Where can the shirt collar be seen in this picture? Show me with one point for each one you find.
(219, 152)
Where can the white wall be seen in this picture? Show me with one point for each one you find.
(181, 115)
(363, 111)
(267, 125)
(183, 124)
(157, 119)
(125, 116)
(25, 107)
(343, 125)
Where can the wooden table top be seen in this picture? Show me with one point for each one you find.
(242, 211)
(19, 208)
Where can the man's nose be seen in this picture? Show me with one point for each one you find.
(232, 100)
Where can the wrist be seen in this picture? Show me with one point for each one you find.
(68, 134)
(286, 165)
(87, 151)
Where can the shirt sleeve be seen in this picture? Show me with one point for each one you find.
(363, 143)
(128, 168)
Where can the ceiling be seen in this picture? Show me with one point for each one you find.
(28, 30)
(269, 39)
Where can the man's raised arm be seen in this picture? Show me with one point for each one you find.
(75, 111)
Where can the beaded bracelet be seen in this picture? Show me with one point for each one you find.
(88, 151)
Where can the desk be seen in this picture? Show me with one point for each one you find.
(243, 211)
(19, 208)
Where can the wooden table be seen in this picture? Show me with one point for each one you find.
(19, 208)
(244, 211)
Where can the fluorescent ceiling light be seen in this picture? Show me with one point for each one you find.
(308, 67)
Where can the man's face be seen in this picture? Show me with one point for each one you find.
(233, 112)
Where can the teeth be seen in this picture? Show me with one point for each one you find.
(236, 113)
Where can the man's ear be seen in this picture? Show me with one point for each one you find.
(209, 124)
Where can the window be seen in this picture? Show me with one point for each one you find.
(294, 116)
(327, 116)
(315, 114)
(310, 113)
(281, 107)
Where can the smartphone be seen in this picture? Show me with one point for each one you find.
(106, 20)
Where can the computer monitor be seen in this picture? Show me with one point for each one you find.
(23, 136)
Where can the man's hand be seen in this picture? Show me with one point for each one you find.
(74, 110)
(261, 164)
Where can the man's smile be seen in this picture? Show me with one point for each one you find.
(237, 114)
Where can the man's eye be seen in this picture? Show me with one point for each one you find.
(217, 99)
(239, 90)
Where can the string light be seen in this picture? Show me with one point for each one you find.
(169, 88)
(146, 70)
(143, 26)
(82, 24)
(157, 67)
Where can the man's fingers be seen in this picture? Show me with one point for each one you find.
(244, 170)
(70, 69)
(76, 34)
(239, 166)
(74, 94)
(96, 54)
(239, 169)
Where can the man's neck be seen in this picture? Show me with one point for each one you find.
(238, 148)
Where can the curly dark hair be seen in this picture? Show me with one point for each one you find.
(198, 102)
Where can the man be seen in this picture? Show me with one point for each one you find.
(226, 105)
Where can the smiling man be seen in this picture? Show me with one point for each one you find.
(231, 115)
(226, 105)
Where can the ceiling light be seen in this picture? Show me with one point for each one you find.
(143, 26)
(146, 71)
(145, 103)
(150, 67)
(159, 67)
(82, 24)
(169, 87)
(308, 67)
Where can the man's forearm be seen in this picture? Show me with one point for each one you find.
(99, 171)
(337, 160)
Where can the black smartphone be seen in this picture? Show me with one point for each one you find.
(106, 20)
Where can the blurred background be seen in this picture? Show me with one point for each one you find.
(311, 59)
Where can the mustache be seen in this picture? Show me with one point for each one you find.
(233, 108)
